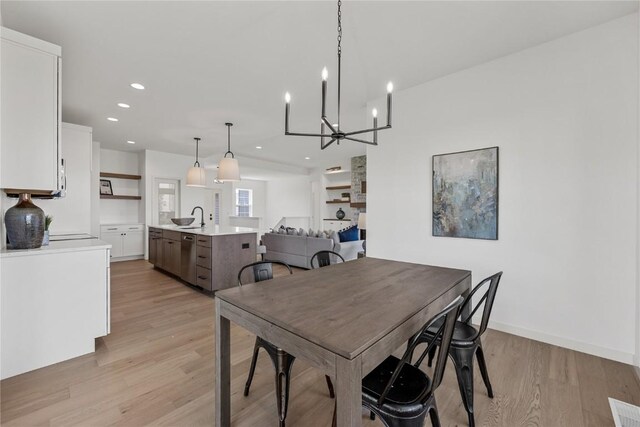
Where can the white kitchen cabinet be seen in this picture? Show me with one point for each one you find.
(133, 243)
(335, 225)
(114, 238)
(30, 154)
(55, 303)
(72, 213)
(127, 240)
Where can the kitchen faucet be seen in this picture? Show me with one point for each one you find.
(201, 215)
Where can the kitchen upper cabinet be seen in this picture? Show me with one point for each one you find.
(30, 156)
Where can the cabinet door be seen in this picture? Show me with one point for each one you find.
(29, 152)
(114, 238)
(153, 251)
(158, 244)
(171, 256)
(132, 243)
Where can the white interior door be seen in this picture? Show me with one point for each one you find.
(166, 200)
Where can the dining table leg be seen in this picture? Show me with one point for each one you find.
(223, 370)
(348, 392)
(467, 309)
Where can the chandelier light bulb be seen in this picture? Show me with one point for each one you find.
(325, 73)
(374, 112)
(287, 97)
(389, 87)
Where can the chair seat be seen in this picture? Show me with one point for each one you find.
(463, 333)
(402, 399)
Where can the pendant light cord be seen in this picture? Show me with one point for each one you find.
(229, 141)
(197, 163)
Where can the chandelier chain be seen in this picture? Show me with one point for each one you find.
(339, 27)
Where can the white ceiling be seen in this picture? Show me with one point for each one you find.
(205, 63)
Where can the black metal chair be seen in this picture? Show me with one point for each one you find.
(282, 361)
(466, 343)
(323, 258)
(400, 393)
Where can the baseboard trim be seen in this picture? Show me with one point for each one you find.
(582, 347)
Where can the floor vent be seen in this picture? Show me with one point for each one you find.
(624, 414)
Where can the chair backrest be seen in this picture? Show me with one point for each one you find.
(444, 335)
(262, 270)
(490, 284)
(323, 258)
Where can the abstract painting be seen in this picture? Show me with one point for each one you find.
(465, 194)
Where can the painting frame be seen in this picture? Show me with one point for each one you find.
(105, 187)
(440, 215)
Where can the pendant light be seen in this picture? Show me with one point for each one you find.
(228, 169)
(196, 176)
(335, 133)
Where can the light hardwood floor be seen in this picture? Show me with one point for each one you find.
(157, 367)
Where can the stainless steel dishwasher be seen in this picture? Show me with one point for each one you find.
(188, 258)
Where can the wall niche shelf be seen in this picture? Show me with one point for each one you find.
(339, 187)
(360, 205)
(107, 196)
(119, 175)
(338, 202)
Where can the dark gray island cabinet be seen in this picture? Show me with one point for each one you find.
(208, 258)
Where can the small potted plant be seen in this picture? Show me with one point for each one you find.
(47, 222)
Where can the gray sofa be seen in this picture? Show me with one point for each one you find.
(298, 250)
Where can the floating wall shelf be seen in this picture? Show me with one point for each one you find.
(339, 187)
(338, 202)
(119, 175)
(107, 196)
(361, 205)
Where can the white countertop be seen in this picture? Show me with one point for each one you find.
(58, 247)
(208, 231)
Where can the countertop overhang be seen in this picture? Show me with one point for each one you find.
(57, 247)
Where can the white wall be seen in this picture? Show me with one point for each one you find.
(175, 166)
(118, 211)
(565, 117)
(287, 197)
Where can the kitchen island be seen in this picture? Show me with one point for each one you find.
(207, 257)
(55, 301)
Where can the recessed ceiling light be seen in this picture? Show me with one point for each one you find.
(123, 105)
(137, 86)
(258, 147)
(307, 158)
(131, 142)
(112, 119)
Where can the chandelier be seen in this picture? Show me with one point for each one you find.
(336, 133)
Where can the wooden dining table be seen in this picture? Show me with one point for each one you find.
(342, 319)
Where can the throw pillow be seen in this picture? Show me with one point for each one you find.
(351, 234)
(302, 233)
(334, 236)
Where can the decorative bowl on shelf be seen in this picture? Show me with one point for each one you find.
(182, 221)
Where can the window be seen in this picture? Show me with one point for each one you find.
(216, 209)
(244, 200)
